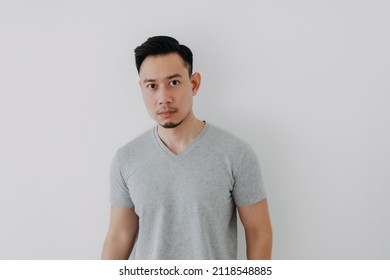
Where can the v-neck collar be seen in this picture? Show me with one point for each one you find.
(190, 146)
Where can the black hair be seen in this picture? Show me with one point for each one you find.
(160, 45)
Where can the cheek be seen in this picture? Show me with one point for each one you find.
(188, 99)
(148, 100)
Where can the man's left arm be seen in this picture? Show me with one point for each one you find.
(258, 231)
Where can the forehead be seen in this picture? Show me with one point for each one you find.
(157, 66)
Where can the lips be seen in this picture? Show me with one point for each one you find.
(166, 113)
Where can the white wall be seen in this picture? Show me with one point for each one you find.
(306, 83)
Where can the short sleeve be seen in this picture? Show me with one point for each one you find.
(119, 192)
(248, 186)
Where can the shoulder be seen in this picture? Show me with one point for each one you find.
(234, 152)
(136, 146)
(227, 141)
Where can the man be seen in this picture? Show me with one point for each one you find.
(176, 187)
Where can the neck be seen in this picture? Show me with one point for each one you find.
(178, 138)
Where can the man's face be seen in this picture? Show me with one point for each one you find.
(167, 89)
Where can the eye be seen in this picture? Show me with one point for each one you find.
(151, 86)
(174, 83)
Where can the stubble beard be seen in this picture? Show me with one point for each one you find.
(172, 124)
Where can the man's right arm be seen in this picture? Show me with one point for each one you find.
(121, 234)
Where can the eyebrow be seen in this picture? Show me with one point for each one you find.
(166, 78)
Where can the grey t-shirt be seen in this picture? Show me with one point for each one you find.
(186, 203)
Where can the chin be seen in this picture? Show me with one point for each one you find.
(171, 124)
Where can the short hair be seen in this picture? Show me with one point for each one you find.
(160, 45)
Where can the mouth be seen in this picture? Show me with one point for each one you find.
(166, 113)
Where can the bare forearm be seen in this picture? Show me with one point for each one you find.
(259, 247)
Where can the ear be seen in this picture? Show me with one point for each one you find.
(195, 81)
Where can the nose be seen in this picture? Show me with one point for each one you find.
(164, 96)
